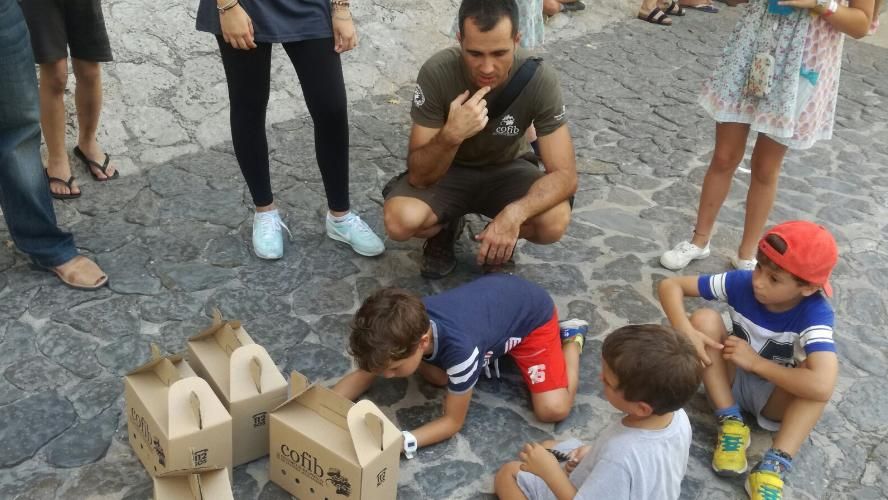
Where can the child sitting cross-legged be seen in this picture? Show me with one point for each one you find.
(453, 337)
(649, 372)
(779, 360)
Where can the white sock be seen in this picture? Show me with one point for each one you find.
(340, 218)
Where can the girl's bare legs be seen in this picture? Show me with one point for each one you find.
(730, 144)
(767, 158)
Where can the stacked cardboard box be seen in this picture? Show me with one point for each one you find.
(325, 446)
(193, 484)
(244, 377)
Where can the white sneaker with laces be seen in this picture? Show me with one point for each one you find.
(743, 264)
(682, 255)
(356, 233)
(268, 239)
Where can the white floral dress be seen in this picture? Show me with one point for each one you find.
(800, 108)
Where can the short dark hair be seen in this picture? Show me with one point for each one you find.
(779, 245)
(487, 14)
(387, 327)
(654, 364)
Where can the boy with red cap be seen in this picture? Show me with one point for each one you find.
(779, 360)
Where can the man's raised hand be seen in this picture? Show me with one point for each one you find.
(468, 115)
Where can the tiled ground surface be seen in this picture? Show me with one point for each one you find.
(174, 240)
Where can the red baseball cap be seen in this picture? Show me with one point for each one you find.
(811, 251)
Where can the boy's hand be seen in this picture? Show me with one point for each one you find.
(739, 352)
(701, 341)
(537, 460)
(575, 456)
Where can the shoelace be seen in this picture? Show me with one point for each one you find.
(731, 442)
(267, 225)
(355, 222)
(769, 492)
(686, 248)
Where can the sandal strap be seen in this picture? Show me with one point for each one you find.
(652, 17)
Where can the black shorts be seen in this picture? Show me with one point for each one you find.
(56, 25)
(471, 190)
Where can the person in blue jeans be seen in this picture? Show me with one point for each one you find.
(24, 193)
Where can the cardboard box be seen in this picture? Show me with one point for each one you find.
(174, 420)
(244, 377)
(323, 446)
(194, 484)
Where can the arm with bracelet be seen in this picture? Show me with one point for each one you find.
(854, 19)
(345, 36)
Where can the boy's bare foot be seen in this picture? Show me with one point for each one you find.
(61, 170)
(96, 160)
(81, 273)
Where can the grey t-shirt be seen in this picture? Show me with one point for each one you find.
(275, 21)
(626, 464)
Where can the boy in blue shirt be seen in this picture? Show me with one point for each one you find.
(452, 337)
(779, 360)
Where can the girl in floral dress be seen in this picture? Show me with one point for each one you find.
(779, 78)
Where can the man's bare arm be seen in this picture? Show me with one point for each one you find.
(560, 181)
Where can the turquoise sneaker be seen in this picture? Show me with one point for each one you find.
(356, 233)
(268, 239)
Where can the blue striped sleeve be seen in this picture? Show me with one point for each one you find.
(713, 287)
(464, 373)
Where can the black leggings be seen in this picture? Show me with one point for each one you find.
(320, 74)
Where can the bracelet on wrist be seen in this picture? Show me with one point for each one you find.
(831, 9)
(224, 8)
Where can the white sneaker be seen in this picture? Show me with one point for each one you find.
(268, 239)
(743, 264)
(356, 233)
(682, 255)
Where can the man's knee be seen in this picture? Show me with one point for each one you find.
(87, 73)
(708, 321)
(54, 77)
(404, 217)
(550, 226)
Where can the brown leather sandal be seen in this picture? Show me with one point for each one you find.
(72, 279)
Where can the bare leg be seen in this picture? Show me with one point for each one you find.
(797, 416)
(718, 376)
(551, 7)
(506, 483)
(88, 100)
(53, 80)
(555, 405)
(730, 144)
(767, 158)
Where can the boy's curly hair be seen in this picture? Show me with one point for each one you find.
(387, 327)
(654, 364)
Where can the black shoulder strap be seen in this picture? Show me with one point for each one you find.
(513, 88)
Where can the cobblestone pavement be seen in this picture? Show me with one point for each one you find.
(175, 241)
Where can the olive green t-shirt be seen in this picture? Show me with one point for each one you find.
(444, 76)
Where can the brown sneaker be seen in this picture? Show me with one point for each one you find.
(438, 256)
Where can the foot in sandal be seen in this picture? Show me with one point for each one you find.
(81, 273)
(655, 16)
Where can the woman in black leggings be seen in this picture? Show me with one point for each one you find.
(313, 33)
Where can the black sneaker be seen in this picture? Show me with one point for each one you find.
(438, 255)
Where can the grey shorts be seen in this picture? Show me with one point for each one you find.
(56, 25)
(533, 487)
(471, 190)
(751, 393)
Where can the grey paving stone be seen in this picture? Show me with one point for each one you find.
(563, 279)
(51, 298)
(30, 423)
(85, 442)
(626, 268)
(107, 320)
(129, 272)
(441, 480)
(861, 405)
(35, 373)
(94, 396)
(124, 354)
(193, 276)
(245, 304)
(70, 349)
(626, 302)
(8, 392)
(170, 306)
(228, 251)
(316, 362)
(323, 296)
(617, 220)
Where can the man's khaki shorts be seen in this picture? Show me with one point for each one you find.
(471, 190)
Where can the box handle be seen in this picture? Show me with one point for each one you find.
(256, 373)
(195, 409)
(375, 426)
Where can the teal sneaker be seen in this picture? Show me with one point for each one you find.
(356, 233)
(268, 238)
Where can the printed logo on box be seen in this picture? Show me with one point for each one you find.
(259, 419)
(380, 478)
(308, 464)
(142, 426)
(199, 457)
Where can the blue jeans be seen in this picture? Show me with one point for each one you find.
(24, 191)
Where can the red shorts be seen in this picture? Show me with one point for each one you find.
(540, 358)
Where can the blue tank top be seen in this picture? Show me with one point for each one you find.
(275, 21)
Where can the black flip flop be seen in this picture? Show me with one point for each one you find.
(573, 6)
(90, 164)
(69, 183)
(654, 19)
(674, 9)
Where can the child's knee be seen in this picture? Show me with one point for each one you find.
(551, 413)
(708, 321)
(506, 475)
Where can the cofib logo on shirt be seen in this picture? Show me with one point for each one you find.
(418, 96)
(507, 127)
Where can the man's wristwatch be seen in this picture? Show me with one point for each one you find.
(410, 445)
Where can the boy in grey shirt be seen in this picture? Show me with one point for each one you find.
(649, 372)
